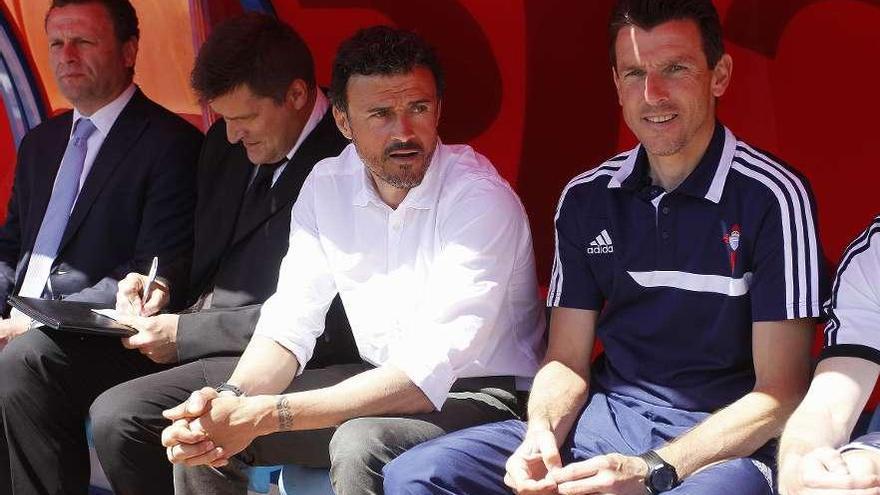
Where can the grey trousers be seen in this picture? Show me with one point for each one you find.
(357, 450)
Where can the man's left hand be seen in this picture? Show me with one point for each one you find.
(610, 474)
(156, 337)
(11, 328)
(232, 423)
(827, 471)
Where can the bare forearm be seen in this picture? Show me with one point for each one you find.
(840, 388)
(809, 428)
(558, 394)
(735, 431)
(376, 392)
(265, 367)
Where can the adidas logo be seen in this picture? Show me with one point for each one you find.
(602, 244)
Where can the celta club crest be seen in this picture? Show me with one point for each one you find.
(731, 241)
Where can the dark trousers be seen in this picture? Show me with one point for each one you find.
(48, 379)
(127, 424)
(5, 479)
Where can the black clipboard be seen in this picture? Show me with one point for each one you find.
(71, 316)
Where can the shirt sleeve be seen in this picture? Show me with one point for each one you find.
(788, 270)
(571, 282)
(484, 237)
(853, 327)
(294, 315)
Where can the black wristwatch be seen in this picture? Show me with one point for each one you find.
(228, 387)
(661, 475)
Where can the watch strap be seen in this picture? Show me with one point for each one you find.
(655, 463)
(228, 387)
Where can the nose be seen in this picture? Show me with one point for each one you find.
(69, 52)
(234, 132)
(655, 89)
(403, 128)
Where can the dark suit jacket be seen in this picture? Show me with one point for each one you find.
(137, 202)
(238, 257)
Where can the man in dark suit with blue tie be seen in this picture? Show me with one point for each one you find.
(98, 192)
(256, 73)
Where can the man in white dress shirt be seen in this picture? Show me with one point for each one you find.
(430, 251)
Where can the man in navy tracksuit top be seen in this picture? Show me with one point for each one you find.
(695, 259)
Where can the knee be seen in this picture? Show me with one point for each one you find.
(117, 416)
(19, 363)
(359, 443)
(742, 476)
(109, 414)
(413, 471)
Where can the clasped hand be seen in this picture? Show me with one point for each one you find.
(209, 428)
(535, 468)
(826, 471)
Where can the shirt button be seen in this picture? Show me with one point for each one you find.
(665, 235)
(665, 210)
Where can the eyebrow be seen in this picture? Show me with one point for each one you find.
(684, 59)
(238, 117)
(411, 103)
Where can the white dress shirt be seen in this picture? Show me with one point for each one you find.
(443, 287)
(40, 266)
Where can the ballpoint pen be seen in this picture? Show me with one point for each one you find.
(151, 277)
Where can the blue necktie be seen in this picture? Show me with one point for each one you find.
(63, 196)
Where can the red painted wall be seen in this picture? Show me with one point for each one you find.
(7, 159)
(529, 86)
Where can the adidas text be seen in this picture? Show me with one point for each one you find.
(600, 249)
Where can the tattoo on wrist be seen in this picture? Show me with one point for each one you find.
(285, 416)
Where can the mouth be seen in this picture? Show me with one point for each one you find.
(404, 155)
(660, 119)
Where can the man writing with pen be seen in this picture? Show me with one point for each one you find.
(257, 74)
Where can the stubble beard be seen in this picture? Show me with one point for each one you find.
(405, 178)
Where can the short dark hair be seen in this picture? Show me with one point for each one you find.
(648, 14)
(122, 13)
(381, 50)
(255, 50)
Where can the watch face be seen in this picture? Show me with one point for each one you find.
(663, 479)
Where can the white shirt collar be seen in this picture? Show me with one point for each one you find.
(318, 111)
(106, 116)
(423, 196)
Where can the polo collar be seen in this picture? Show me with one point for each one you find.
(707, 179)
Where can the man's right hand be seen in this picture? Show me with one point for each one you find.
(130, 291)
(529, 468)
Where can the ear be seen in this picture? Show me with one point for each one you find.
(721, 75)
(438, 112)
(616, 80)
(341, 118)
(298, 94)
(129, 52)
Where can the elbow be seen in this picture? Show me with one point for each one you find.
(783, 399)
